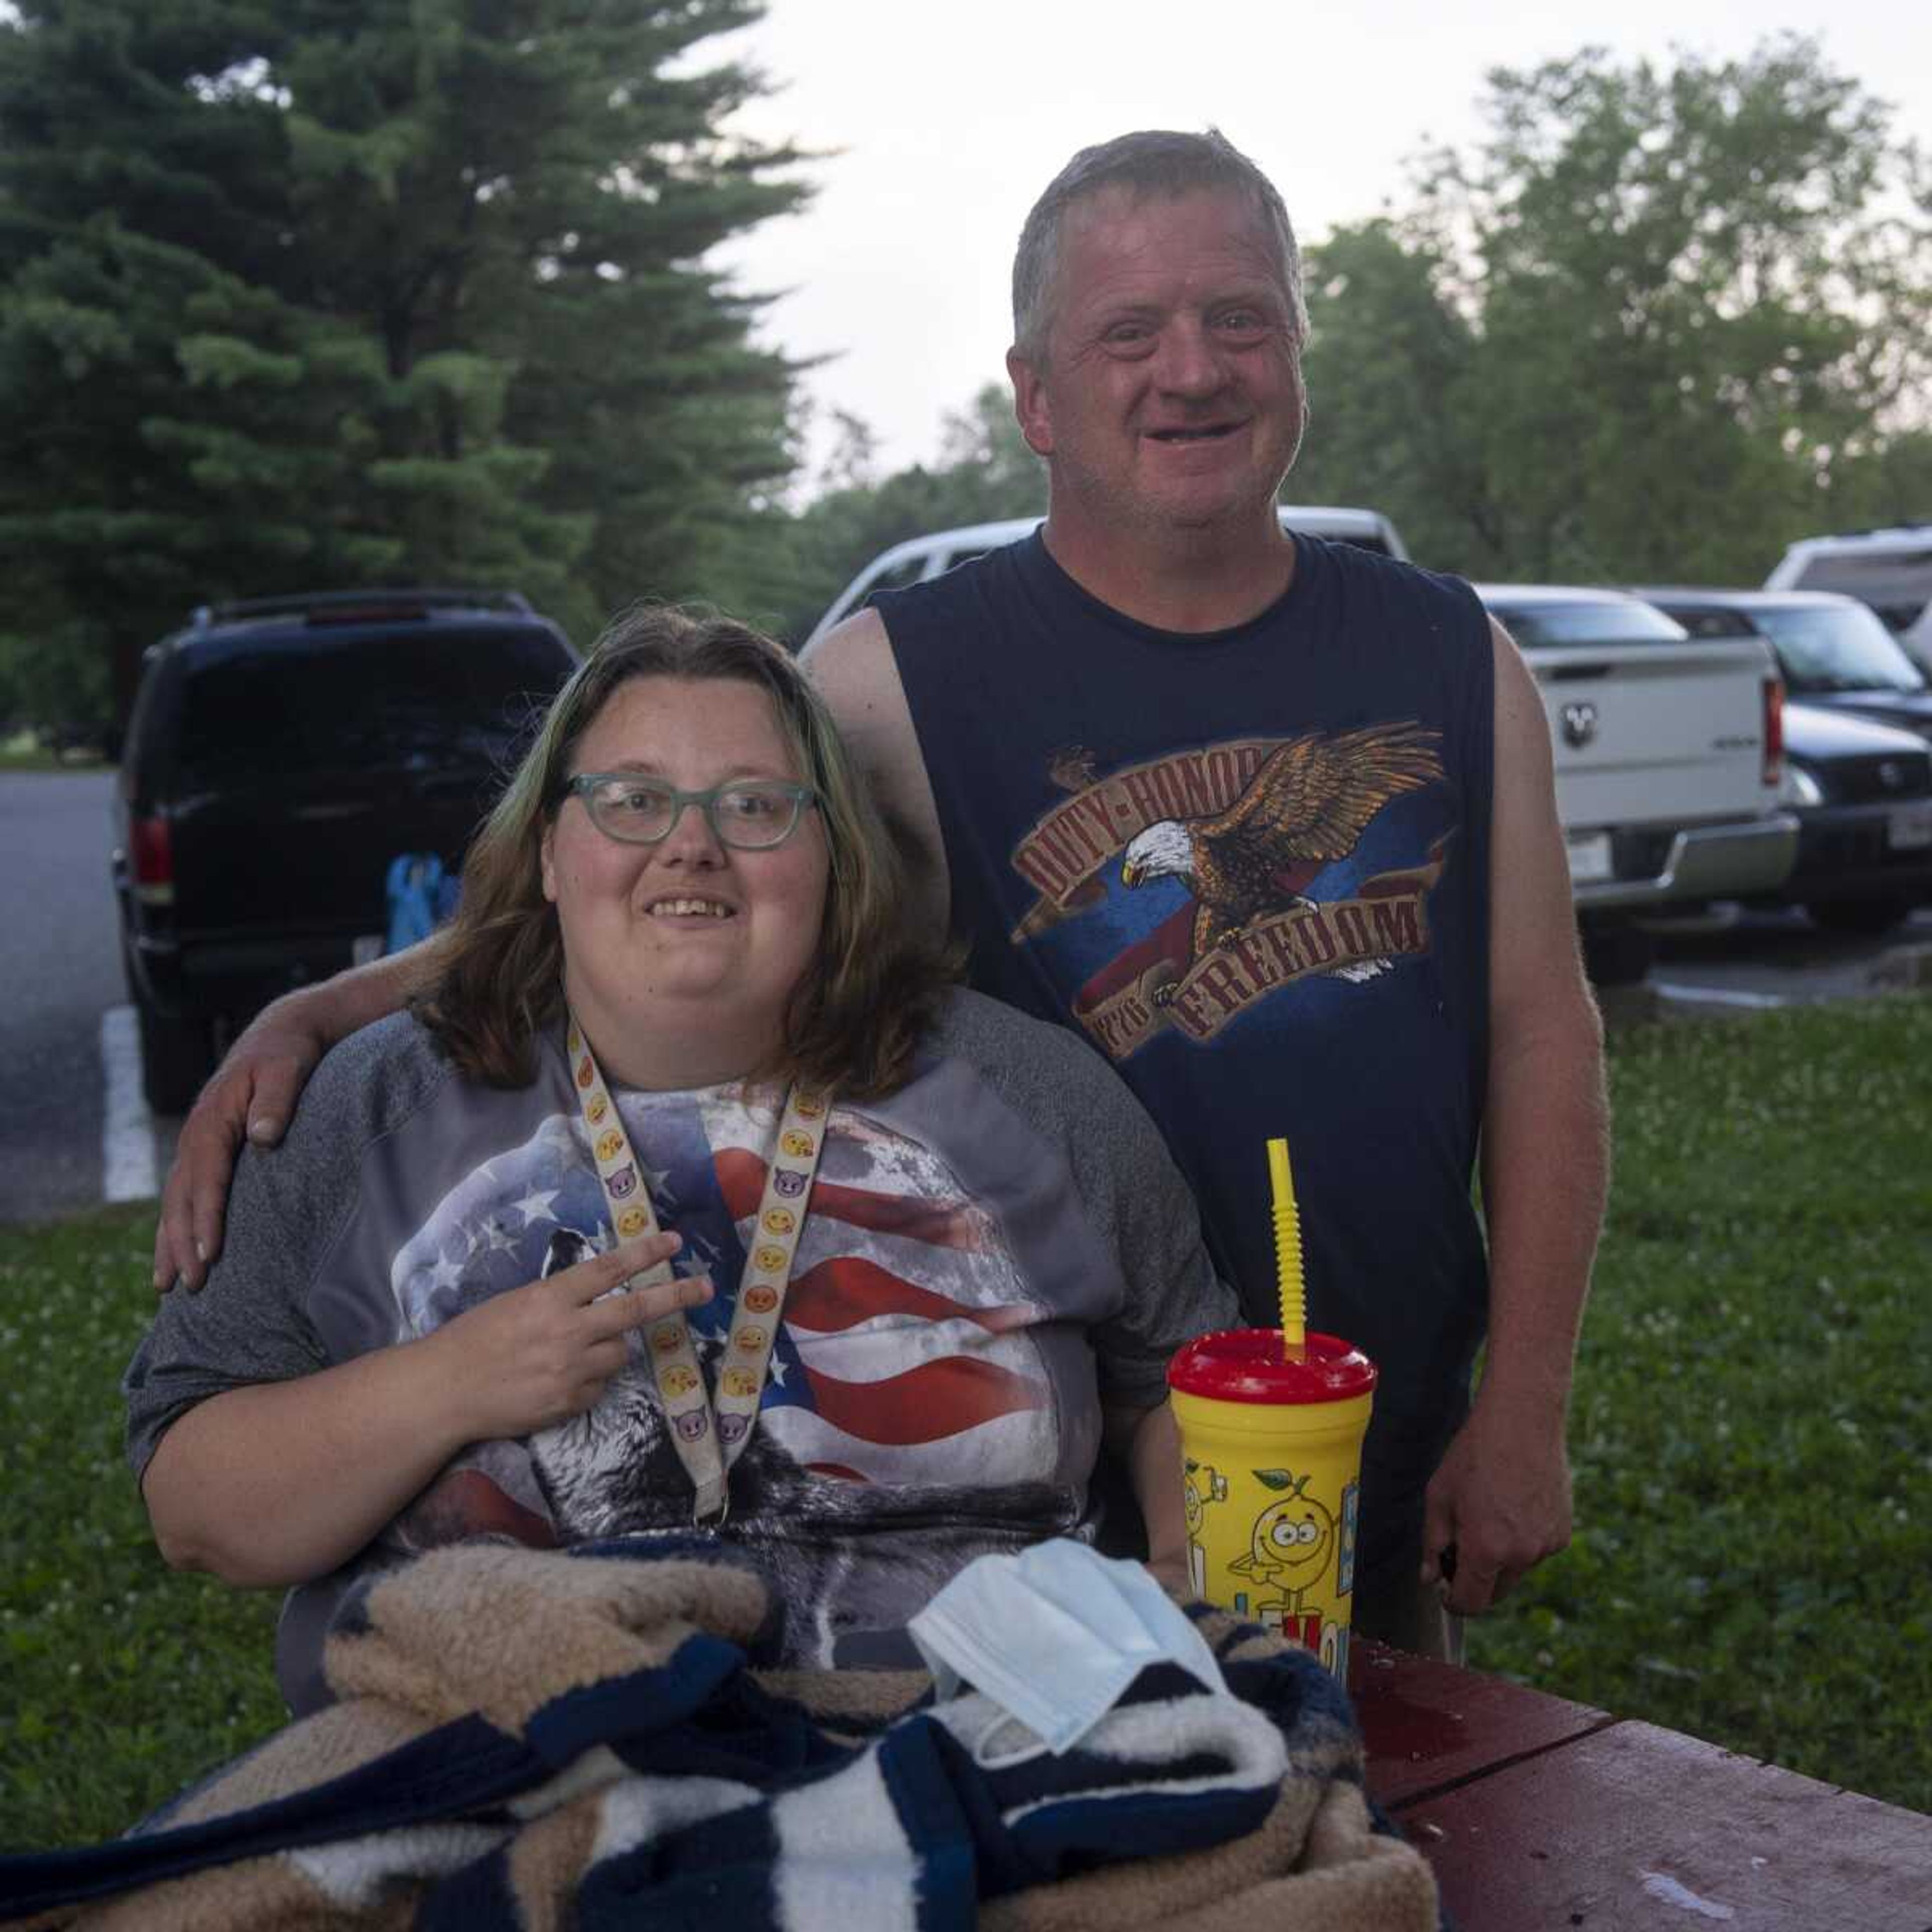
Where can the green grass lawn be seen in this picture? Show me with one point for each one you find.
(1752, 1437)
(1752, 1432)
(22, 751)
(119, 1680)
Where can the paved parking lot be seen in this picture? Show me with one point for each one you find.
(1734, 958)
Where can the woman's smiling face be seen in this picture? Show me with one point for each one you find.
(680, 957)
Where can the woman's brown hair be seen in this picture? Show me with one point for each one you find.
(858, 1014)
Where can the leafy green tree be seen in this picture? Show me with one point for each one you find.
(1394, 408)
(985, 472)
(1889, 484)
(1659, 322)
(54, 693)
(316, 293)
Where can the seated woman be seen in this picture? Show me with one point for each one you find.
(919, 1254)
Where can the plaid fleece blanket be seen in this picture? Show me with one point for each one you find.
(536, 1741)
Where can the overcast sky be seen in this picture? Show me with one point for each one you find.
(947, 122)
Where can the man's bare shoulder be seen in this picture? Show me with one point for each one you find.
(856, 645)
(854, 670)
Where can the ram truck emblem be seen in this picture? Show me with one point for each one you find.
(1580, 725)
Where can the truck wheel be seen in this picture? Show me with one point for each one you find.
(177, 1057)
(1616, 954)
(1867, 916)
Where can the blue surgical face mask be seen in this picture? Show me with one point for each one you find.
(1054, 1635)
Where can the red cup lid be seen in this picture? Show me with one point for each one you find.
(1247, 1365)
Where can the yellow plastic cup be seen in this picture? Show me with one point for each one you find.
(1271, 1463)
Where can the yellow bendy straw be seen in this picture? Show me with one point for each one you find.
(1287, 1251)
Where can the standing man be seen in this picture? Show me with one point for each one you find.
(1270, 821)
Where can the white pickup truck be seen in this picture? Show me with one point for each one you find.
(1669, 760)
(1890, 570)
(932, 555)
(1668, 749)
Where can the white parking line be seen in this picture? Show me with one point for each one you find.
(127, 1128)
(1719, 996)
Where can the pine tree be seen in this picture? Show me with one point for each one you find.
(339, 292)
(984, 473)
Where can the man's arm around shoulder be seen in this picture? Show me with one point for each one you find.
(252, 1093)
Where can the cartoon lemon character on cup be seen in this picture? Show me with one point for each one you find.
(1292, 1545)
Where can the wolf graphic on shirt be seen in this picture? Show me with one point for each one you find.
(1247, 828)
(908, 1421)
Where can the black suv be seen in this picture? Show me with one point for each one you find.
(281, 755)
(1861, 788)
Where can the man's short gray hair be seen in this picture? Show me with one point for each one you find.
(1155, 161)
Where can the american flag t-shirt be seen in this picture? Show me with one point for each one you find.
(905, 1356)
(906, 1366)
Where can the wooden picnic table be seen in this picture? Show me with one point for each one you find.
(1538, 1815)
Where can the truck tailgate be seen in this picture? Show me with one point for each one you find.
(1645, 735)
(311, 858)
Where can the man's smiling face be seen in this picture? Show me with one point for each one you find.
(1169, 396)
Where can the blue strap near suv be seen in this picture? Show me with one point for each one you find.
(421, 896)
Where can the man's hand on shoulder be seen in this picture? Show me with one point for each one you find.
(251, 1096)
(253, 1092)
(857, 675)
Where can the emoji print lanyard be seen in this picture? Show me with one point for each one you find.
(708, 1440)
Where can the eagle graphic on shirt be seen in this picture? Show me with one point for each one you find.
(1246, 827)
(1306, 808)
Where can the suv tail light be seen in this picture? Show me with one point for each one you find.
(154, 856)
(1774, 731)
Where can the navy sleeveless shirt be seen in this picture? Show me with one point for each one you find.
(1251, 868)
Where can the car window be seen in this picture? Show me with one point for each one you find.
(1374, 535)
(1710, 623)
(1578, 626)
(1837, 647)
(1893, 581)
(137, 772)
(1356, 535)
(910, 572)
(1899, 617)
(444, 697)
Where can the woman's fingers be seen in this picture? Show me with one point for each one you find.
(590, 1280)
(635, 1307)
(612, 1320)
(547, 1352)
